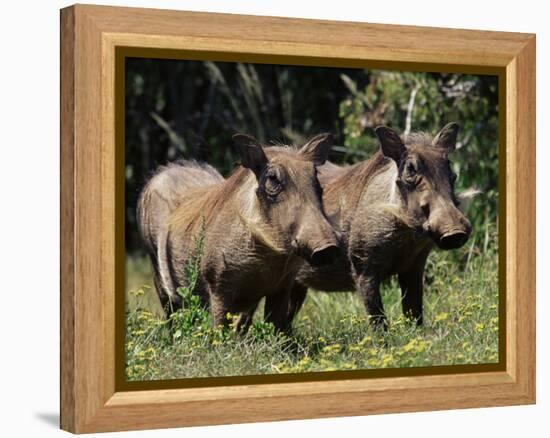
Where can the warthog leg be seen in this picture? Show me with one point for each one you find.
(220, 310)
(412, 288)
(297, 297)
(276, 310)
(244, 321)
(369, 290)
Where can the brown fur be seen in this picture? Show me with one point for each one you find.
(259, 224)
(209, 200)
(349, 180)
(390, 215)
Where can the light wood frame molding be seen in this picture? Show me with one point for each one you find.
(89, 38)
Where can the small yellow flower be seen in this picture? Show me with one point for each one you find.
(441, 317)
(332, 349)
(280, 367)
(150, 353)
(421, 346)
(411, 345)
(364, 341)
(387, 360)
(479, 327)
(138, 367)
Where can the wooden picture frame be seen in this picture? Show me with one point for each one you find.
(91, 400)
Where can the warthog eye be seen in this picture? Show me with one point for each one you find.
(410, 170)
(426, 210)
(273, 185)
(410, 175)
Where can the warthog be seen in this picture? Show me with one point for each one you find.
(258, 226)
(391, 211)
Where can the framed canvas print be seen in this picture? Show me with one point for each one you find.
(272, 218)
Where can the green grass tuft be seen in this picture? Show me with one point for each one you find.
(331, 331)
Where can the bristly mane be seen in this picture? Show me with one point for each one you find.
(205, 202)
(356, 177)
(418, 138)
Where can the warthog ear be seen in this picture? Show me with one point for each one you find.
(392, 145)
(252, 154)
(317, 148)
(446, 139)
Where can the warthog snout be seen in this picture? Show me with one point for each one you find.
(447, 225)
(446, 237)
(454, 239)
(324, 255)
(316, 240)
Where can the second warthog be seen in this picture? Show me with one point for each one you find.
(391, 210)
(257, 226)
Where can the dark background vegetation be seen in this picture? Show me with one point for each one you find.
(190, 109)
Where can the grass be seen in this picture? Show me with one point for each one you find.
(331, 331)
